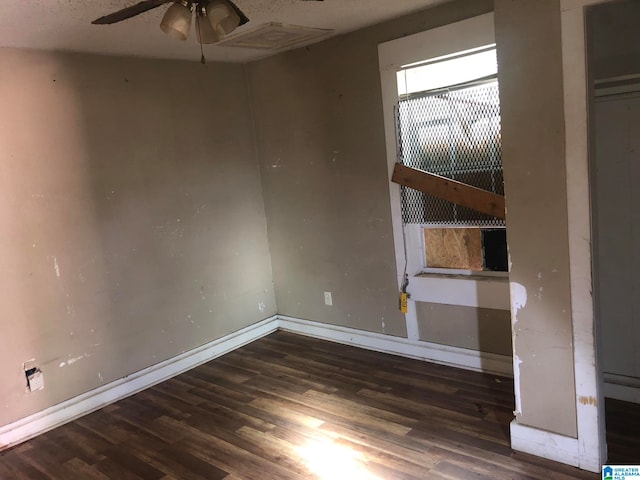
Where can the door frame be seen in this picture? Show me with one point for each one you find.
(578, 97)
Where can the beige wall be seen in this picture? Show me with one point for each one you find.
(132, 225)
(126, 240)
(531, 98)
(321, 145)
(481, 329)
(320, 138)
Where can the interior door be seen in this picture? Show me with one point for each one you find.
(617, 199)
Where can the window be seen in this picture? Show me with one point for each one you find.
(451, 130)
(418, 84)
(448, 123)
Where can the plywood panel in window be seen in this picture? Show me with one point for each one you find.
(454, 248)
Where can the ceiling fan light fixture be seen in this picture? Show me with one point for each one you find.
(222, 16)
(177, 21)
(207, 34)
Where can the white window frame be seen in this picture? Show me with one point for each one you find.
(459, 287)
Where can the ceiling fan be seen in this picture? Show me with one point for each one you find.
(214, 18)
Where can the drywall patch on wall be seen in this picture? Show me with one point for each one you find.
(518, 299)
(518, 302)
(516, 385)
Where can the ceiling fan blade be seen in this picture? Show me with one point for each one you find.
(129, 12)
(243, 18)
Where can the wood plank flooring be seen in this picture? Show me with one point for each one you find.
(292, 407)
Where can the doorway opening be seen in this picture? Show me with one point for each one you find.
(613, 60)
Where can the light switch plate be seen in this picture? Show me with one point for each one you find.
(327, 298)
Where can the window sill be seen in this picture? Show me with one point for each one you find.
(479, 291)
(462, 274)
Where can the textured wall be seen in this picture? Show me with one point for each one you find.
(533, 154)
(132, 225)
(320, 138)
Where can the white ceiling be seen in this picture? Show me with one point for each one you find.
(66, 25)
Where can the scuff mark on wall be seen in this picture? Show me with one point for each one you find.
(277, 164)
(262, 307)
(56, 267)
(199, 210)
(73, 360)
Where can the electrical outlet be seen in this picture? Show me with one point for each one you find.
(327, 298)
(36, 380)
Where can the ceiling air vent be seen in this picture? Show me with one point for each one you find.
(276, 36)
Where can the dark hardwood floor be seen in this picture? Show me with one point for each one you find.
(292, 407)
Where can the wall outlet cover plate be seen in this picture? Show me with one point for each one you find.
(36, 381)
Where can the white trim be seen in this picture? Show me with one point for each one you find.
(469, 291)
(437, 42)
(52, 417)
(476, 290)
(546, 444)
(57, 415)
(629, 89)
(625, 393)
(618, 78)
(393, 55)
(622, 387)
(411, 320)
(589, 398)
(432, 352)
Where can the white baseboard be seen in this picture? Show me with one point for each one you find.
(52, 417)
(622, 387)
(432, 352)
(546, 444)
